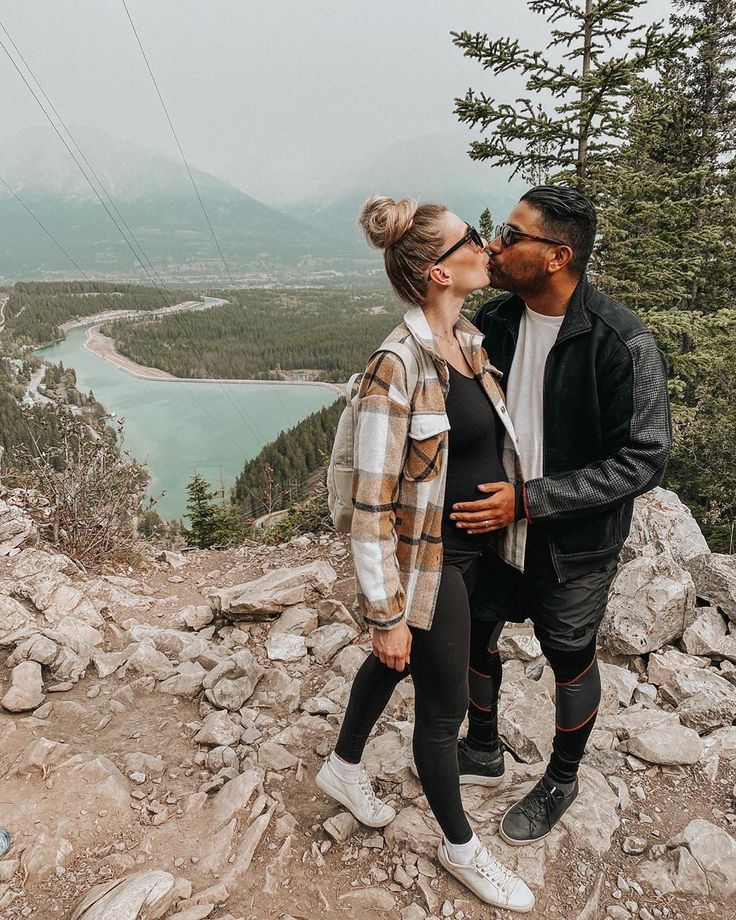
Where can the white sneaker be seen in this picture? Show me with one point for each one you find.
(358, 797)
(491, 881)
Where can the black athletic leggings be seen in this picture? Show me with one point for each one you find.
(578, 694)
(439, 669)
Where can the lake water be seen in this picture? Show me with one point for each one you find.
(179, 427)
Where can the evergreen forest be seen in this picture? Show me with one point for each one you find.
(264, 335)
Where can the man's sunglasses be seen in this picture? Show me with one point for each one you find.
(508, 236)
(472, 236)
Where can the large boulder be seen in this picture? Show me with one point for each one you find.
(652, 602)
(269, 595)
(700, 861)
(662, 523)
(708, 635)
(149, 894)
(666, 744)
(17, 529)
(13, 617)
(26, 688)
(714, 575)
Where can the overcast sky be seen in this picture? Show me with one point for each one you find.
(295, 88)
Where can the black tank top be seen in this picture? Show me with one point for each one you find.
(474, 456)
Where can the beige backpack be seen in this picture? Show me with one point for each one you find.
(342, 458)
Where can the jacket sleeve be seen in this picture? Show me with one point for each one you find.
(381, 438)
(635, 420)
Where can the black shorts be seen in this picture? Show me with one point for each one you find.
(566, 615)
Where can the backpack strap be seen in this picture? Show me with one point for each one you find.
(408, 359)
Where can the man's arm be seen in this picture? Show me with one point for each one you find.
(636, 380)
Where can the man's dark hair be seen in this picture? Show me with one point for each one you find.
(567, 216)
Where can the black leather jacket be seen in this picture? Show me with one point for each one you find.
(607, 428)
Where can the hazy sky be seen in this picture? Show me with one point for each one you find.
(295, 88)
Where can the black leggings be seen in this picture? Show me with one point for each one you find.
(439, 669)
(578, 694)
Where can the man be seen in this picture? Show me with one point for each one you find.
(586, 390)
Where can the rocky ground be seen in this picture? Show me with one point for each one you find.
(160, 730)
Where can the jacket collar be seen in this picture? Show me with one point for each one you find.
(469, 338)
(576, 319)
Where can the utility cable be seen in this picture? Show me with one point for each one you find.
(178, 144)
(246, 420)
(48, 233)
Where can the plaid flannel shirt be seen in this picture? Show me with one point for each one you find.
(400, 470)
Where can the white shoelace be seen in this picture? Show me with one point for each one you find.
(367, 789)
(494, 871)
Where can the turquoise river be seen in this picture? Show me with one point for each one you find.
(177, 427)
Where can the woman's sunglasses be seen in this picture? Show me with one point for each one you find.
(472, 236)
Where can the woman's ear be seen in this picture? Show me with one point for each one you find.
(440, 275)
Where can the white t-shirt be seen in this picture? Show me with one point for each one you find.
(525, 391)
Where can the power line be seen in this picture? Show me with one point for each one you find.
(245, 418)
(48, 233)
(178, 144)
(81, 153)
(186, 164)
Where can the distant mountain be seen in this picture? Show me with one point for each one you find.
(432, 168)
(156, 199)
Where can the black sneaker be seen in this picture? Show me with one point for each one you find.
(481, 768)
(536, 814)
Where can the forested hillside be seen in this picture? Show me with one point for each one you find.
(278, 475)
(36, 310)
(265, 335)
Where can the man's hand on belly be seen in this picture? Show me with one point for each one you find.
(487, 514)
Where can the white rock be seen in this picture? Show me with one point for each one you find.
(196, 617)
(624, 680)
(17, 529)
(326, 641)
(651, 603)
(714, 575)
(708, 636)
(36, 648)
(369, 900)
(219, 728)
(526, 718)
(286, 647)
(186, 682)
(523, 647)
(662, 523)
(341, 826)
(235, 795)
(334, 611)
(275, 757)
(701, 861)
(148, 895)
(268, 595)
(666, 744)
(26, 688)
(413, 831)
(277, 689)
(706, 710)
(13, 616)
(297, 620)
(144, 659)
(664, 666)
(348, 660)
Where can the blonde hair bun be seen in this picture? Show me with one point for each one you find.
(385, 221)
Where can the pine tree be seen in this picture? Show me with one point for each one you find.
(201, 512)
(570, 122)
(668, 203)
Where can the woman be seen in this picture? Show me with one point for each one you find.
(416, 454)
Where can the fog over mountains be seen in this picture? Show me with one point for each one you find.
(300, 239)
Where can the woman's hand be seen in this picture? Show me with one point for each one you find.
(392, 646)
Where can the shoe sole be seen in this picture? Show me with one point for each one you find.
(470, 779)
(335, 794)
(449, 868)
